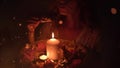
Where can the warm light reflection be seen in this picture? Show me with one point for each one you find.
(20, 24)
(52, 60)
(43, 57)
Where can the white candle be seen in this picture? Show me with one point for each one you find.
(52, 48)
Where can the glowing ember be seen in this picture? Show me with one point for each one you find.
(43, 57)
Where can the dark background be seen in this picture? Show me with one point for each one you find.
(13, 37)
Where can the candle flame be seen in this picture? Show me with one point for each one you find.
(52, 34)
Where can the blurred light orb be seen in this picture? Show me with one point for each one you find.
(20, 24)
(114, 11)
(60, 22)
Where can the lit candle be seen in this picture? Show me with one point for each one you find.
(52, 48)
(43, 57)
